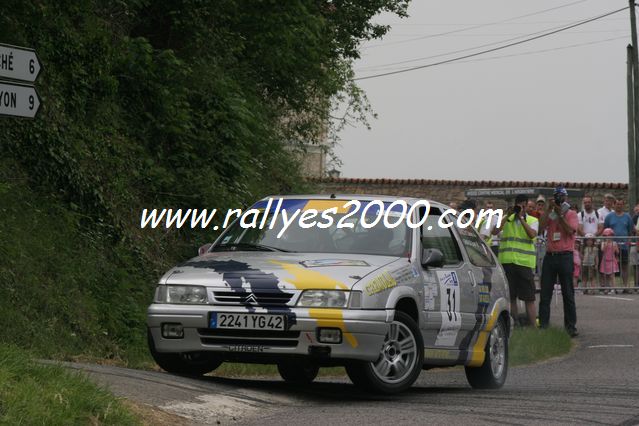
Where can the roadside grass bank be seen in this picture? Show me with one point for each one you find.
(527, 346)
(32, 393)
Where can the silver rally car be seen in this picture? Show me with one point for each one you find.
(383, 302)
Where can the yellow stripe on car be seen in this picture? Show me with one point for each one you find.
(306, 279)
(321, 205)
(478, 353)
(332, 318)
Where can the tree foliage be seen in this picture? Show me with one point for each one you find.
(176, 103)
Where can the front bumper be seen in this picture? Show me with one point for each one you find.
(363, 332)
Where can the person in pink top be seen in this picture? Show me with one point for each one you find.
(576, 261)
(560, 224)
(609, 264)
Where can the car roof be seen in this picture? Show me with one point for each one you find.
(360, 197)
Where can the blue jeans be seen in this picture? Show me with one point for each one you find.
(557, 266)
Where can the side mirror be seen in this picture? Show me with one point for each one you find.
(432, 257)
(204, 249)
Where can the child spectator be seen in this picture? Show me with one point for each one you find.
(609, 264)
(576, 270)
(590, 260)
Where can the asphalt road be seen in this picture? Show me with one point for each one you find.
(598, 383)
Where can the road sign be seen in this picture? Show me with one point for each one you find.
(18, 100)
(19, 63)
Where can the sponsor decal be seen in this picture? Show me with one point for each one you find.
(333, 262)
(439, 354)
(381, 283)
(429, 298)
(404, 274)
(484, 295)
(415, 271)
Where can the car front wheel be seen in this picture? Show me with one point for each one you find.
(399, 362)
(492, 373)
(298, 372)
(184, 363)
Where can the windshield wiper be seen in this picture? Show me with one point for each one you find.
(249, 246)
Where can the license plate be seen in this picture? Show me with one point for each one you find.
(247, 321)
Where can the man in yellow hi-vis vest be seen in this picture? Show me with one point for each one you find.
(518, 256)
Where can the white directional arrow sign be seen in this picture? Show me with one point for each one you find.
(19, 63)
(18, 100)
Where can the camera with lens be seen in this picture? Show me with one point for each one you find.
(558, 198)
(517, 210)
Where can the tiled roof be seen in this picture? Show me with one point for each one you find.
(473, 183)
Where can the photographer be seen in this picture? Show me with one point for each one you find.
(560, 223)
(517, 255)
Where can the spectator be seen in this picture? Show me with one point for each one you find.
(589, 262)
(589, 220)
(494, 238)
(541, 236)
(517, 255)
(609, 202)
(560, 224)
(634, 248)
(635, 215)
(485, 227)
(576, 260)
(609, 265)
(621, 224)
(453, 205)
(531, 209)
(541, 205)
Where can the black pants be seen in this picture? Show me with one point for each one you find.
(558, 266)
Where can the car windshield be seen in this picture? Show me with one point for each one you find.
(352, 236)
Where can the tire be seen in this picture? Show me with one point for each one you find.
(298, 372)
(184, 363)
(399, 363)
(492, 373)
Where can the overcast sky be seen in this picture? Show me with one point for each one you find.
(555, 115)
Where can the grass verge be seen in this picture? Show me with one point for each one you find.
(529, 345)
(31, 393)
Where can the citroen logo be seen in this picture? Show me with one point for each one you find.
(250, 299)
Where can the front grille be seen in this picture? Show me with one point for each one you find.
(270, 338)
(252, 298)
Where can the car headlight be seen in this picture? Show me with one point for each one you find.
(194, 294)
(324, 299)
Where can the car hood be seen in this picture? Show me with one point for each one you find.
(264, 270)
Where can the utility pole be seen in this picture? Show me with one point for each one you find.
(632, 165)
(632, 184)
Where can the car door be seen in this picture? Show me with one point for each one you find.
(449, 293)
(480, 265)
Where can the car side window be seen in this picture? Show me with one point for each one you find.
(478, 252)
(434, 236)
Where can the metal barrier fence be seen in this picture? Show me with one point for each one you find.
(605, 265)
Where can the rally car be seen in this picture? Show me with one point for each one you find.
(384, 302)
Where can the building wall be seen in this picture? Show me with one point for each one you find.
(447, 191)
